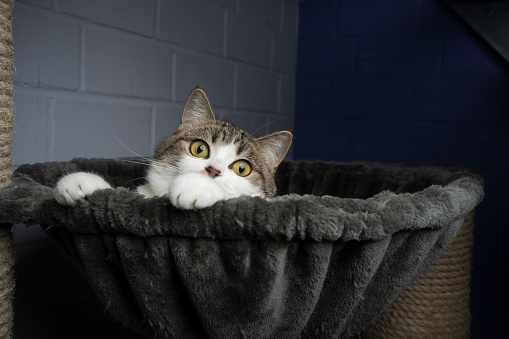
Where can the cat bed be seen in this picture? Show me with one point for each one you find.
(321, 260)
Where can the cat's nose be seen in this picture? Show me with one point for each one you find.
(213, 172)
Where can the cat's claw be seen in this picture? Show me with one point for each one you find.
(195, 193)
(188, 200)
(77, 187)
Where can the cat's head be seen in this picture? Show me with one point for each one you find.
(234, 159)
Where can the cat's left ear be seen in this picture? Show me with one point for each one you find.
(275, 145)
(197, 108)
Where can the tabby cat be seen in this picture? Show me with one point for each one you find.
(204, 161)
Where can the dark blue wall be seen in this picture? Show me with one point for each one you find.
(408, 80)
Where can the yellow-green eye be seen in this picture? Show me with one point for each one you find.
(199, 149)
(241, 168)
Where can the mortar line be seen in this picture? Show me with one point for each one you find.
(174, 77)
(153, 117)
(235, 84)
(51, 128)
(157, 29)
(82, 83)
(225, 32)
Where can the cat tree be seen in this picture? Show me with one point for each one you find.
(6, 118)
(322, 260)
(344, 243)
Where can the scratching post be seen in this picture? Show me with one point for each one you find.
(6, 118)
(436, 305)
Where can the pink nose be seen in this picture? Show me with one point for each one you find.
(213, 172)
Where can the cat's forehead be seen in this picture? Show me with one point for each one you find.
(227, 132)
(221, 133)
(215, 133)
(225, 151)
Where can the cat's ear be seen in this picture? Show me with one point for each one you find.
(197, 108)
(275, 145)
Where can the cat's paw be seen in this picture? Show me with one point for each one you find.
(192, 199)
(195, 191)
(76, 187)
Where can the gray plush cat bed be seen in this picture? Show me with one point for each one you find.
(322, 260)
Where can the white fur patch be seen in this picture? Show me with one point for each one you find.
(186, 182)
(189, 186)
(76, 187)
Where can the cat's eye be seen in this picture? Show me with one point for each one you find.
(199, 149)
(241, 168)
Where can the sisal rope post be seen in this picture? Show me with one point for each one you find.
(6, 119)
(436, 305)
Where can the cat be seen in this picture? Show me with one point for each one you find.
(204, 161)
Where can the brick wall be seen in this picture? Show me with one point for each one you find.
(85, 67)
(410, 81)
(89, 72)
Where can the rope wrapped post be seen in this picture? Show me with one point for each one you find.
(436, 305)
(6, 119)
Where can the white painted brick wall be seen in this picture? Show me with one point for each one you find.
(215, 74)
(166, 118)
(284, 48)
(137, 16)
(30, 136)
(47, 49)
(197, 24)
(248, 40)
(116, 64)
(257, 89)
(79, 124)
(90, 71)
(39, 3)
(290, 19)
(231, 4)
(263, 11)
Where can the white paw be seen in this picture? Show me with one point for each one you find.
(191, 199)
(78, 186)
(195, 191)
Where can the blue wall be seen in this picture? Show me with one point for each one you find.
(408, 80)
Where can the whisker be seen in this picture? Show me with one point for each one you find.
(166, 165)
(127, 148)
(154, 163)
(270, 122)
(135, 162)
(135, 179)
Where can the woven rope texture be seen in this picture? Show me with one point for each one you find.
(6, 119)
(436, 305)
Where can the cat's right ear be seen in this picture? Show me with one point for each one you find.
(275, 145)
(197, 108)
